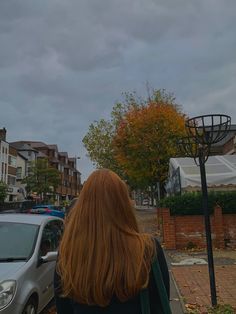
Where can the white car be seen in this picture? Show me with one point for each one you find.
(28, 252)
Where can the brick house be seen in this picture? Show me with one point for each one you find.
(70, 185)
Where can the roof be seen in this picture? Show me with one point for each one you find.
(33, 219)
(63, 154)
(42, 155)
(72, 159)
(23, 157)
(53, 146)
(22, 146)
(36, 144)
(224, 140)
(55, 160)
(230, 133)
(220, 170)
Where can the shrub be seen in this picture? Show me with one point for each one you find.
(222, 309)
(191, 203)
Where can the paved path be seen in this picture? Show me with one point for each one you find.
(193, 283)
(192, 277)
(190, 283)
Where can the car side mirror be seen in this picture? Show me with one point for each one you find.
(49, 257)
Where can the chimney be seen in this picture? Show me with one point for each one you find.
(3, 133)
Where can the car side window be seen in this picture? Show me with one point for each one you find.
(51, 237)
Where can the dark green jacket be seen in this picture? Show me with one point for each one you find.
(132, 306)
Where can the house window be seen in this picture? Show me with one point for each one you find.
(11, 180)
(19, 173)
(12, 161)
(61, 168)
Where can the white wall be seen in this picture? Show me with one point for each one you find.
(4, 149)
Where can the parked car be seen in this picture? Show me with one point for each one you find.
(28, 252)
(51, 210)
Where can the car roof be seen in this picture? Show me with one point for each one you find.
(27, 218)
(45, 206)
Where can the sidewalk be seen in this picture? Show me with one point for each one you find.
(193, 281)
(189, 282)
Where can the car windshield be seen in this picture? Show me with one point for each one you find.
(17, 240)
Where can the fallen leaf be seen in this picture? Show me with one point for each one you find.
(191, 306)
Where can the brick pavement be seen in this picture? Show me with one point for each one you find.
(194, 286)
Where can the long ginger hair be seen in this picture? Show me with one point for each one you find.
(102, 253)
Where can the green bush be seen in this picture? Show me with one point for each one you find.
(222, 309)
(191, 203)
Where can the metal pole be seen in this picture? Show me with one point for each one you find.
(207, 228)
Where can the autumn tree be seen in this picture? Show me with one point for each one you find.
(146, 139)
(139, 138)
(43, 178)
(98, 142)
(99, 139)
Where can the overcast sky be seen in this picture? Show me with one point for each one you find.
(65, 63)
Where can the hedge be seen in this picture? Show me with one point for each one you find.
(191, 203)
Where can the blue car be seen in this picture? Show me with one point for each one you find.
(50, 210)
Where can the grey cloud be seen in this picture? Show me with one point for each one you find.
(64, 64)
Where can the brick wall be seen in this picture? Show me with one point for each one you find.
(181, 231)
(189, 229)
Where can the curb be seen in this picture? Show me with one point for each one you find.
(178, 292)
(174, 284)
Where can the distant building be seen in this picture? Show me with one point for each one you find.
(8, 166)
(70, 184)
(4, 149)
(21, 172)
(227, 145)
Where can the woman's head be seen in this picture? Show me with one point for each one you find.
(102, 252)
(105, 199)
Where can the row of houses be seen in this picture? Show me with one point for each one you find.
(16, 159)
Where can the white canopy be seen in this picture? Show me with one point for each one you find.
(220, 171)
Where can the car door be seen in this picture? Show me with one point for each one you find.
(50, 239)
